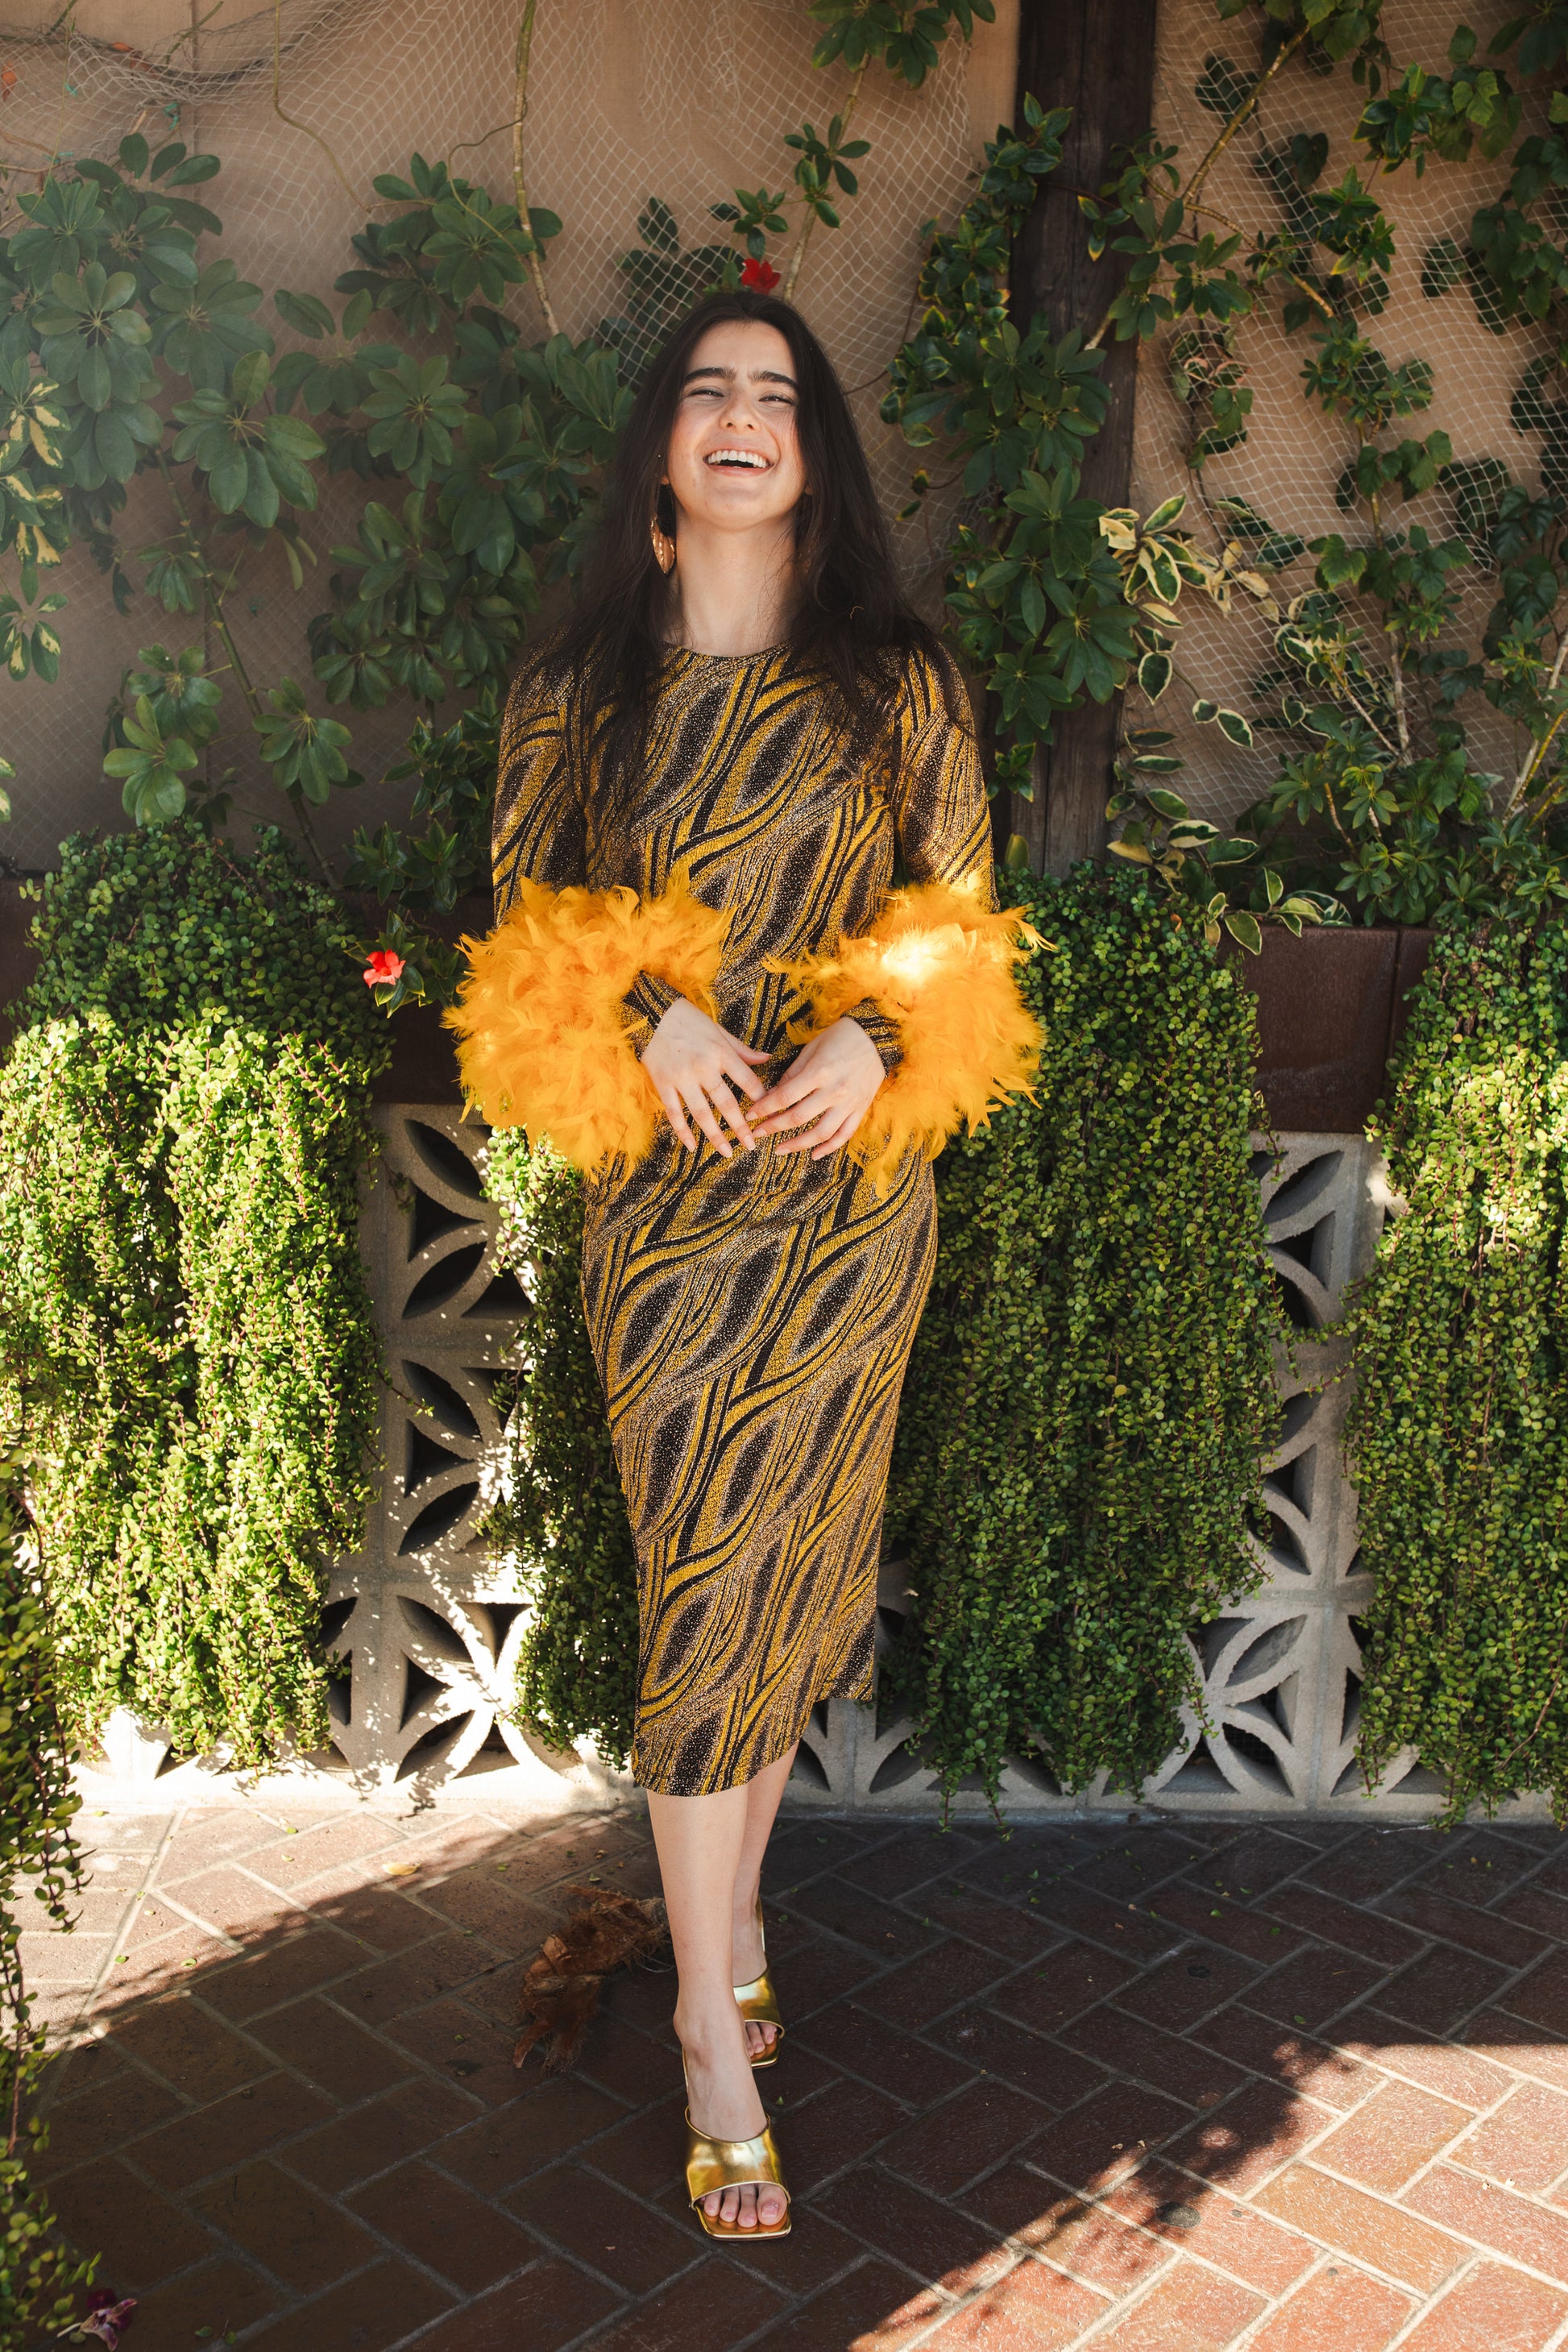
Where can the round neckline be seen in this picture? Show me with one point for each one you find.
(692, 653)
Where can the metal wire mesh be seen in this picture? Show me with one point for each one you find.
(1288, 466)
(679, 99)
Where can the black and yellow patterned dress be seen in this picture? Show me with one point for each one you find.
(751, 1318)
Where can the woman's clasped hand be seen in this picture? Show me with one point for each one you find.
(706, 1077)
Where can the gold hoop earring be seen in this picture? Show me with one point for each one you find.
(663, 546)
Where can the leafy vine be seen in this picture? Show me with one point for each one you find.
(38, 1863)
(560, 1519)
(1379, 798)
(1077, 1465)
(187, 1342)
(1459, 1427)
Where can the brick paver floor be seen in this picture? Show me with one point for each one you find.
(1152, 2088)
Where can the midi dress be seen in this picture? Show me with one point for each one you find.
(751, 1318)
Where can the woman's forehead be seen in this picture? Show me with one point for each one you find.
(744, 348)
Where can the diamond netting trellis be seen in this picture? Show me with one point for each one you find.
(679, 99)
(684, 99)
(1288, 466)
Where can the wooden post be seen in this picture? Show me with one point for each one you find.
(1097, 56)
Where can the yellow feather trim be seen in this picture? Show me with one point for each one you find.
(544, 1034)
(940, 964)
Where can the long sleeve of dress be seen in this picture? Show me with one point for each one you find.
(539, 832)
(559, 995)
(937, 964)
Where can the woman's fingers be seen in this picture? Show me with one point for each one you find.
(736, 1070)
(834, 1139)
(732, 1112)
(709, 1081)
(674, 1111)
(788, 1087)
(803, 1120)
(701, 1110)
(781, 1096)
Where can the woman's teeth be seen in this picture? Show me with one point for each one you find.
(742, 458)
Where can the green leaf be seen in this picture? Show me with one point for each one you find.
(1154, 674)
(251, 371)
(306, 313)
(228, 480)
(1244, 929)
(92, 378)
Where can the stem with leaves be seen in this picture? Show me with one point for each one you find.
(520, 115)
(1538, 749)
(211, 601)
(1244, 113)
(294, 124)
(792, 274)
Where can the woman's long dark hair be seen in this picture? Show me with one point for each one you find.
(850, 624)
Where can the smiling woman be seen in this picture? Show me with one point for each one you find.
(704, 990)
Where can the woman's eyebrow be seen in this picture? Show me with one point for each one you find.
(727, 376)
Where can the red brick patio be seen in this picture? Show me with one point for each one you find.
(1159, 2088)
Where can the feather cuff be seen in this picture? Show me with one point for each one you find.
(544, 1042)
(940, 964)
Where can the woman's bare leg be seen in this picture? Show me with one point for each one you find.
(700, 1842)
(763, 1796)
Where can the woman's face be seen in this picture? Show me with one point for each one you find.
(735, 460)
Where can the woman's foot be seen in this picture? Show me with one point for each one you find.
(723, 2102)
(747, 1962)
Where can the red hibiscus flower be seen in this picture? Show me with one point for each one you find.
(385, 968)
(760, 276)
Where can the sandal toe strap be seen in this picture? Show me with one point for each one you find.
(758, 2003)
(714, 2165)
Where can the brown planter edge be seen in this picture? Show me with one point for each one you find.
(1331, 1011)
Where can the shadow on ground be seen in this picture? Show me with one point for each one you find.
(1165, 2086)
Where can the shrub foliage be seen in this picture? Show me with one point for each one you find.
(1090, 1393)
(37, 1864)
(1458, 1432)
(561, 1519)
(187, 1342)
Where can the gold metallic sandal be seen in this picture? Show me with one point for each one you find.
(713, 2165)
(759, 2005)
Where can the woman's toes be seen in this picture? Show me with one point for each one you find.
(771, 2203)
(747, 2213)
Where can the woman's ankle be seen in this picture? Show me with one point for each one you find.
(709, 2034)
